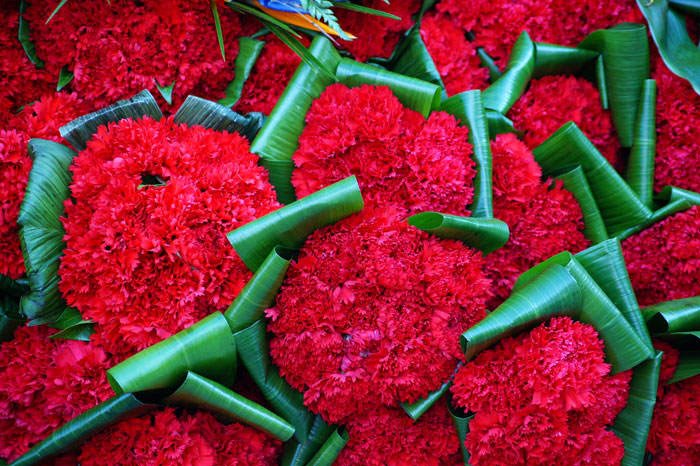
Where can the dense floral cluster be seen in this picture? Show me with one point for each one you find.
(377, 36)
(388, 437)
(678, 138)
(498, 23)
(552, 101)
(399, 157)
(43, 384)
(116, 49)
(543, 398)
(371, 314)
(674, 438)
(543, 219)
(146, 253)
(664, 260)
(189, 439)
(454, 56)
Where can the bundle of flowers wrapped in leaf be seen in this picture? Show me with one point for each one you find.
(327, 232)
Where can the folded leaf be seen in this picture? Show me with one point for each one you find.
(680, 315)
(416, 409)
(688, 366)
(24, 37)
(201, 112)
(166, 91)
(576, 183)
(299, 453)
(413, 59)
(500, 124)
(64, 78)
(677, 200)
(290, 225)
(558, 59)
(461, 421)
(207, 348)
(640, 167)
(502, 94)
(248, 52)
(485, 234)
(330, 450)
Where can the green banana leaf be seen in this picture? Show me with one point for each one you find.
(691, 7)
(468, 107)
(416, 409)
(680, 315)
(488, 62)
(421, 96)
(253, 350)
(625, 52)
(618, 203)
(79, 131)
(248, 52)
(640, 167)
(461, 421)
(207, 348)
(201, 112)
(298, 453)
(290, 225)
(688, 366)
(65, 76)
(558, 59)
(74, 432)
(485, 234)
(259, 293)
(278, 138)
(673, 194)
(687, 340)
(633, 422)
(201, 392)
(413, 59)
(668, 29)
(498, 123)
(502, 94)
(24, 37)
(331, 448)
(601, 83)
(576, 183)
(166, 91)
(72, 326)
(41, 232)
(10, 317)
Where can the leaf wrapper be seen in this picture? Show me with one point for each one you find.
(413, 59)
(201, 392)
(576, 183)
(502, 94)
(330, 449)
(461, 421)
(24, 37)
(558, 59)
(290, 225)
(640, 167)
(207, 348)
(417, 409)
(299, 453)
(248, 52)
(79, 131)
(485, 234)
(680, 315)
(201, 112)
(688, 366)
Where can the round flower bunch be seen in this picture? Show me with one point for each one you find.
(45, 383)
(551, 101)
(455, 57)
(398, 156)
(664, 260)
(544, 218)
(541, 398)
(388, 437)
(371, 314)
(146, 251)
(171, 436)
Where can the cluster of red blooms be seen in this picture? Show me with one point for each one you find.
(171, 436)
(542, 398)
(39, 120)
(454, 56)
(552, 101)
(678, 138)
(398, 156)
(44, 383)
(544, 219)
(146, 253)
(664, 260)
(390, 438)
(674, 438)
(497, 24)
(371, 313)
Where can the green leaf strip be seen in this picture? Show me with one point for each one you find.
(680, 315)
(576, 183)
(290, 225)
(299, 453)
(502, 94)
(330, 450)
(568, 147)
(691, 7)
(217, 26)
(488, 62)
(64, 78)
(80, 428)
(640, 168)
(461, 421)
(688, 366)
(413, 59)
(469, 109)
(201, 392)
(601, 83)
(79, 131)
(248, 52)
(485, 234)
(558, 59)
(196, 111)
(166, 91)
(207, 348)
(416, 409)
(24, 37)
(633, 422)
(41, 232)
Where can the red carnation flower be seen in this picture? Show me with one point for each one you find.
(371, 314)
(173, 437)
(454, 56)
(497, 24)
(399, 157)
(545, 397)
(544, 220)
(551, 101)
(43, 118)
(269, 77)
(116, 49)
(664, 260)
(145, 261)
(388, 437)
(44, 383)
(377, 36)
(678, 138)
